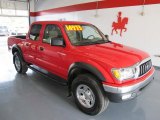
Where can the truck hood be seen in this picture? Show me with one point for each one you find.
(114, 54)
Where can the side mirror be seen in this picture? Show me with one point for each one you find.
(57, 42)
(107, 36)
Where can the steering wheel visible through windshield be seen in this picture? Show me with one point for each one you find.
(84, 35)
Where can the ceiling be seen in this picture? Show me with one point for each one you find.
(19, 0)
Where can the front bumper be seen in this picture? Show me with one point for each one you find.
(119, 94)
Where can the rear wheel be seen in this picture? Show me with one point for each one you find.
(20, 65)
(89, 97)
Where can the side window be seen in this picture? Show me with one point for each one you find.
(35, 32)
(51, 31)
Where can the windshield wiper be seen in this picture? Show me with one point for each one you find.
(84, 43)
(100, 42)
(91, 43)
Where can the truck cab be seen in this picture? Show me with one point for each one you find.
(78, 54)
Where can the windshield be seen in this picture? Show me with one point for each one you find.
(84, 35)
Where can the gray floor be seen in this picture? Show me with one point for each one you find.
(34, 97)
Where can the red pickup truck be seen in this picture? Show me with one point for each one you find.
(79, 55)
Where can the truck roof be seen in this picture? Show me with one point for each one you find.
(60, 22)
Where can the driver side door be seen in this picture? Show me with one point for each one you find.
(50, 57)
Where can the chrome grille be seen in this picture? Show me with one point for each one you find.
(145, 67)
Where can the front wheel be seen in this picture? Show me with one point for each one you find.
(89, 96)
(20, 65)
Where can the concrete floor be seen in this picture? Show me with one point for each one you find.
(35, 97)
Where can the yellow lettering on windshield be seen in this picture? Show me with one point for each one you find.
(73, 27)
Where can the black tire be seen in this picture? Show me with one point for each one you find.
(22, 68)
(101, 100)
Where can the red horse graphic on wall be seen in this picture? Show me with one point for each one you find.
(120, 24)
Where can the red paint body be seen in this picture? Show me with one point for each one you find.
(57, 60)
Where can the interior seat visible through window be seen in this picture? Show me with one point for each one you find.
(51, 31)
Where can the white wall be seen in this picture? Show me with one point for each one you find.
(50, 4)
(143, 31)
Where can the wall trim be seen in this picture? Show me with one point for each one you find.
(92, 5)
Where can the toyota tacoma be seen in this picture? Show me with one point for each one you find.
(79, 55)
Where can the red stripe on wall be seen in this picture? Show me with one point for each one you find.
(32, 14)
(92, 5)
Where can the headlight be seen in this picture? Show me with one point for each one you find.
(124, 73)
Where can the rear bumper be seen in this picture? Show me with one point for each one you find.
(119, 94)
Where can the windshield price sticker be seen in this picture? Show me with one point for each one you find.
(74, 27)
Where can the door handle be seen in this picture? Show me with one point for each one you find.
(27, 44)
(41, 48)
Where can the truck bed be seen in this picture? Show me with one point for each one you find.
(20, 36)
(15, 40)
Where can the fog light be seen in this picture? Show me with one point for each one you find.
(126, 96)
(134, 95)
